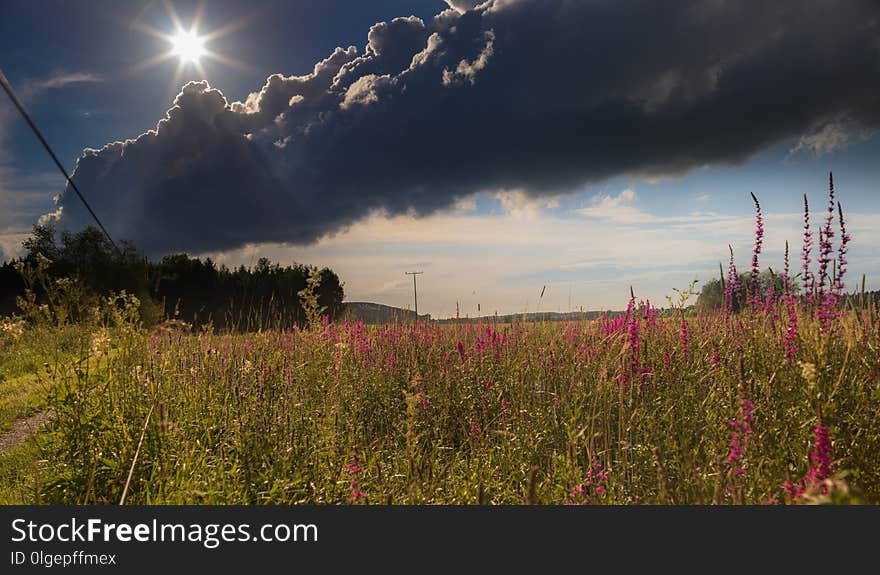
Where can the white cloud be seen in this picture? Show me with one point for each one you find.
(831, 137)
(465, 205)
(467, 71)
(500, 261)
(617, 209)
(10, 243)
(521, 206)
(61, 79)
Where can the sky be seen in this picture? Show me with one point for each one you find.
(505, 148)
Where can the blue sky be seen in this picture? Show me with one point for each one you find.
(81, 69)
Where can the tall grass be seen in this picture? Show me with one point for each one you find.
(418, 413)
(771, 398)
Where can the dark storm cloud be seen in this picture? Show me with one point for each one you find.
(541, 95)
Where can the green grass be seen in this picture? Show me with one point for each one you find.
(29, 363)
(19, 474)
(28, 366)
(538, 413)
(20, 397)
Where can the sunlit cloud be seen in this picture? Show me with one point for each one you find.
(831, 137)
(500, 261)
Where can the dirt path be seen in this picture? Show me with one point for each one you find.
(22, 429)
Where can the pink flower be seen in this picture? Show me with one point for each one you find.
(594, 484)
(821, 456)
(841, 253)
(731, 289)
(807, 248)
(354, 469)
(825, 235)
(739, 439)
(759, 242)
(632, 330)
(820, 465)
(790, 340)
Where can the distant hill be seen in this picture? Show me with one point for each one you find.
(377, 313)
(534, 316)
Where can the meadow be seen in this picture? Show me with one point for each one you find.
(772, 397)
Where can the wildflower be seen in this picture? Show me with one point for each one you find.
(827, 311)
(475, 429)
(825, 236)
(821, 455)
(786, 283)
(792, 489)
(354, 468)
(808, 372)
(759, 242)
(807, 248)
(12, 328)
(504, 406)
(683, 335)
(841, 253)
(650, 314)
(790, 340)
(820, 465)
(739, 439)
(732, 287)
(391, 361)
(632, 330)
(594, 483)
(460, 347)
(100, 343)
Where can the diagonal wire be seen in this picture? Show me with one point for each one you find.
(5, 83)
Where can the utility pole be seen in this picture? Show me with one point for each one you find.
(415, 292)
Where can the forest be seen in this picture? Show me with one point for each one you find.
(180, 287)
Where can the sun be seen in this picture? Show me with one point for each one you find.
(188, 46)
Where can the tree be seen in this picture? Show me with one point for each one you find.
(179, 286)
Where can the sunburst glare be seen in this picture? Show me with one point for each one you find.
(188, 46)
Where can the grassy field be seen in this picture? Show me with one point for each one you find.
(29, 360)
(716, 408)
(772, 397)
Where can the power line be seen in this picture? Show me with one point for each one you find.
(9, 92)
(415, 292)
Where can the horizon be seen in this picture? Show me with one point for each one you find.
(446, 141)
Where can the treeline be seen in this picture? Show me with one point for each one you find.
(712, 294)
(177, 287)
